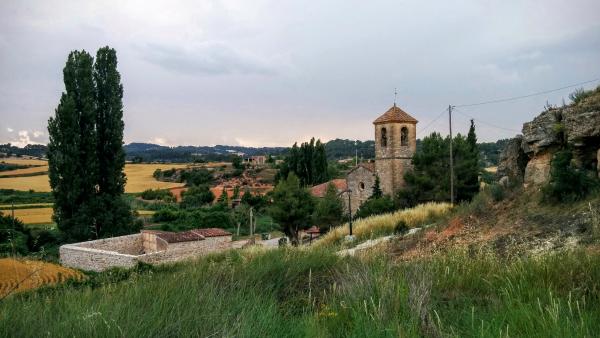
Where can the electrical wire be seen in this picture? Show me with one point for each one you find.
(526, 96)
(485, 123)
(431, 122)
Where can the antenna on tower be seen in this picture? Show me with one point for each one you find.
(395, 94)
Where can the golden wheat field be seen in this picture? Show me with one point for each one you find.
(139, 178)
(20, 275)
(23, 161)
(33, 215)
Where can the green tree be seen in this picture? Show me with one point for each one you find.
(236, 192)
(377, 193)
(308, 162)
(430, 180)
(237, 162)
(224, 199)
(72, 160)
(329, 209)
(109, 148)
(292, 207)
(196, 197)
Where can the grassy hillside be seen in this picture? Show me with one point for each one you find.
(315, 293)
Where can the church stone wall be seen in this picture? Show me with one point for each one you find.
(360, 193)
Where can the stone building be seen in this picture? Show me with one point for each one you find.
(149, 246)
(395, 144)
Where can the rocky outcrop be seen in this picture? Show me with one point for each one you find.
(512, 162)
(576, 127)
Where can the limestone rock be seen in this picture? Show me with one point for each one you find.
(512, 160)
(581, 126)
(537, 171)
(540, 134)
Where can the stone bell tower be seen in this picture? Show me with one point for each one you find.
(395, 144)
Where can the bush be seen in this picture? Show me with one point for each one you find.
(158, 194)
(497, 192)
(14, 238)
(165, 215)
(567, 182)
(376, 206)
(196, 197)
(401, 228)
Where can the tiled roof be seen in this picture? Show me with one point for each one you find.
(320, 190)
(188, 236)
(211, 232)
(395, 114)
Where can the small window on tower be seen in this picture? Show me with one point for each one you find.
(383, 137)
(404, 136)
(361, 186)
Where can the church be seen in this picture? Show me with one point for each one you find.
(395, 145)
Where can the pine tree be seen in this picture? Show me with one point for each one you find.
(109, 147)
(236, 192)
(72, 157)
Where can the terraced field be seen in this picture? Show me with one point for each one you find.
(19, 275)
(139, 177)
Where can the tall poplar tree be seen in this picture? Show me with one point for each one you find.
(109, 146)
(72, 150)
(85, 154)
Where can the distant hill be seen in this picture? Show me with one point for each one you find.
(336, 149)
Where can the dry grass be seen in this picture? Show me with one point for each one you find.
(139, 178)
(386, 223)
(20, 275)
(23, 161)
(32, 216)
(31, 205)
(25, 171)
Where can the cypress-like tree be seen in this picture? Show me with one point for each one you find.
(72, 157)
(308, 162)
(329, 209)
(377, 193)
(109, 146)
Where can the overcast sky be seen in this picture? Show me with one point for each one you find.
(268, 73)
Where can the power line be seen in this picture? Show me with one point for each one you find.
(432, 121)
(486, 123)
(526, 96)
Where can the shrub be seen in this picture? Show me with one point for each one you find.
(165, 215)
(567, 182)
(497, 192)
(401, 227)
(158, 194)
(13, 236)
(376, 206)
(197, 196)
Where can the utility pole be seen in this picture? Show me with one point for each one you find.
(349, 212)
(451, 157)
(251, 230)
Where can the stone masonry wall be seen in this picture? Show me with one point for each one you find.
(130, 244)
(95, 256)
(359, 195)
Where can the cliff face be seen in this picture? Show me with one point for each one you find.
(527, 158)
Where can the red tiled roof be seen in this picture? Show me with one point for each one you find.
(395, 114)
(211, 232)
(188, 236)
(320, 190)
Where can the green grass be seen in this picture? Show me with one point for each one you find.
(315, 293)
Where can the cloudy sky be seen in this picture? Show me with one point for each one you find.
(265, 73)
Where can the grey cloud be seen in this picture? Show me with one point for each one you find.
(209, 58)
